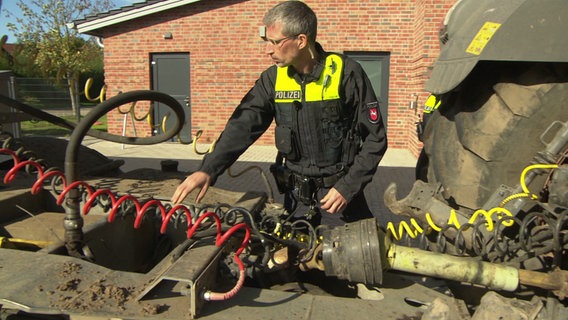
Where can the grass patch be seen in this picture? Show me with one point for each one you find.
(44, 128)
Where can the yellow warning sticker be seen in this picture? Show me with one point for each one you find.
(482, 37)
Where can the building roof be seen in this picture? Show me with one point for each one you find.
(9, 48)
(92, 25)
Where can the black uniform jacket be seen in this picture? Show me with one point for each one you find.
(256, 112)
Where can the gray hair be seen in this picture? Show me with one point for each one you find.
(296, 18)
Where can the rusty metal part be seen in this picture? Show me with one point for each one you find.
(413, 203)
(556, 281)
(421, 201)
(315, 262)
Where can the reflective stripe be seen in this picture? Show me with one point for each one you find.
(325, 88)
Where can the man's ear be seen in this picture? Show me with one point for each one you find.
(303, 41)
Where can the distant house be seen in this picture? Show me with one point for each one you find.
(7, 50)
(208, 54)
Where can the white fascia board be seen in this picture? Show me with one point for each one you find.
(129, 15)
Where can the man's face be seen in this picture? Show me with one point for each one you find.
(282, 49)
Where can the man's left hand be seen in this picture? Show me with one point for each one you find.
(333, 201)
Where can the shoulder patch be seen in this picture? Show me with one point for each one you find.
(373, 112)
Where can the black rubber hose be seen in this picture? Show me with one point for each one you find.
(73, 221)
(36, 112)
(71, 154)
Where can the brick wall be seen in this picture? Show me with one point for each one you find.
(227, 56)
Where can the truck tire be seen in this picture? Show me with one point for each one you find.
(489, 128)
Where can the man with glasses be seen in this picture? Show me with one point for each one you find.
(329, 133)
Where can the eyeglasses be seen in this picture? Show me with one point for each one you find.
(279, 41)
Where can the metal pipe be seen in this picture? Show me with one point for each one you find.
(494, 276)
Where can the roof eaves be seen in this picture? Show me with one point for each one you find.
(88, 26)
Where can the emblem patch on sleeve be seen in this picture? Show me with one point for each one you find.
(373, 112)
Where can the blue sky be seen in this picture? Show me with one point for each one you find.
(11, 5)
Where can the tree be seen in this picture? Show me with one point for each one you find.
(58, 51)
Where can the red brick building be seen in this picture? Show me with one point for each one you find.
(209, 54)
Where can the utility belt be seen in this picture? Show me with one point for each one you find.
(319, 182)
(305, 186)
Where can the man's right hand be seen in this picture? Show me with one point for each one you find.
(198, 179)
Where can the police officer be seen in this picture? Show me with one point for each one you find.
(329, 131)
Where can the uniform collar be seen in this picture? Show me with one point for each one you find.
(318, 68)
